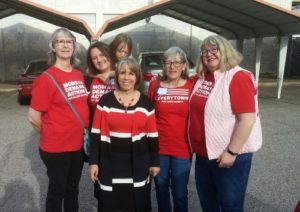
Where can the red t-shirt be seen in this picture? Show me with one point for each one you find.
(61, 131)
(242, 92)
(171, 111)
(97, 89)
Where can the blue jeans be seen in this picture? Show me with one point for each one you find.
(174, 171)
(222, 189)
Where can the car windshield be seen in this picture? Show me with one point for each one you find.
(37, 67)
(153, 61)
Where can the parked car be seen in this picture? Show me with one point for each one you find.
(151, 65)
(25, 80)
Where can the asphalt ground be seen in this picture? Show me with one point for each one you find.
(274, 183)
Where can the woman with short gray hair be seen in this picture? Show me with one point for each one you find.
(61, 133)
(170, 96)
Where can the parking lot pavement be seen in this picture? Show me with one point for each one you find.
(4, 87)
(274, 184)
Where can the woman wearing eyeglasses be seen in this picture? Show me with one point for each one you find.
(224, 126)
(61, 133)
(170, 96)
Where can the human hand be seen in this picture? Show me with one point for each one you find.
(94, 170)
(105, 77)
(226, 160)
(154, 170)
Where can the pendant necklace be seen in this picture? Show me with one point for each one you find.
(123, 104)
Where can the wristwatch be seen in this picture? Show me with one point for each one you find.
(231, 152)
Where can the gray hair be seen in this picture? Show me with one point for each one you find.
(172, 53)
(52, 55)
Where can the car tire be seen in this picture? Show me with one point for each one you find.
(23, 101)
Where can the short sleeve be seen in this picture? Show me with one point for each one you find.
(42, 93)
(151, 89)
(242, 93)
(193, 79)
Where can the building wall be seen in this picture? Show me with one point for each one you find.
(24, 38)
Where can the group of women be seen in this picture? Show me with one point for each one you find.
(135, 137)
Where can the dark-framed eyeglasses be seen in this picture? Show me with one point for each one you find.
(213, 50)
(174, 63)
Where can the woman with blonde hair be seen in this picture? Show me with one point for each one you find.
(224, 126)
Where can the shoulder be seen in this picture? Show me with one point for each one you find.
(242, 79)
(193, 79)
(189, 83)
(77, 71)
(106, 98)
(44, 78)
(242, 76)
(153, 83)
(145, 102)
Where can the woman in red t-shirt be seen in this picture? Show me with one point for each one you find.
(99, 62)
(171, 99)
(61, 133)
(224, 127)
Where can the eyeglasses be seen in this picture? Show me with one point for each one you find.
(175, 63)
(65, 42)
(213, 50)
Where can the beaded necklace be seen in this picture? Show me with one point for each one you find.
(122, 102)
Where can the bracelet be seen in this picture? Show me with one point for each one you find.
(231, 152)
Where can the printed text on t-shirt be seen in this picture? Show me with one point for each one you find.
(204, 89)
(75, 89)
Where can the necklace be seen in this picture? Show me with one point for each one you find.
(122, 102)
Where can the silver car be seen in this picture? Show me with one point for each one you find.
(151, 64)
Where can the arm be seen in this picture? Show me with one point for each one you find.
(34, 117)
(245, 122)
(102, 76)
(95, 146)
(94, 156)
(151, 92)
(242, 98)
(152, 138)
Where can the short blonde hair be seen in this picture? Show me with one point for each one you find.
(133, 65)
(229, 56)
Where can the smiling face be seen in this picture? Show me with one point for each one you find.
(126, 78)
(174, 67)
(64, 47)
(211, 57)
(100, 61)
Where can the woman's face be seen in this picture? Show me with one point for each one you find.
(126, 78)
(122, 51)
(211, 57)
(64, 47)
(174, 67)
(100, 61)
